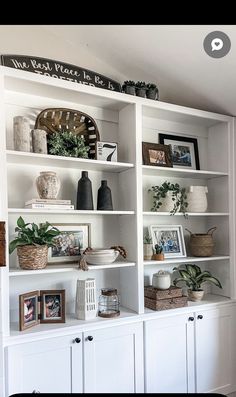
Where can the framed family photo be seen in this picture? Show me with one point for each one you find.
(46, 306)
(156, 154)
(170, 238)
(184, 151)
(71, 243)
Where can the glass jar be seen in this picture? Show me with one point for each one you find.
(108, 304)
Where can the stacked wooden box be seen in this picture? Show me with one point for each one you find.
(157, 299)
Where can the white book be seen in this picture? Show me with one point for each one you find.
(47, 201)
(50, 206)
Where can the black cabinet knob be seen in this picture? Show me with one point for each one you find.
(200, 316)
(77, 340)
(191, 319)
(90, 338)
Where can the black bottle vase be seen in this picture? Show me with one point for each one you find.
(84, 193)
(104, 201)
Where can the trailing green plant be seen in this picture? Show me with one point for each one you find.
(158, 249)
(147, 239)
(179, 197)
(128, 83)
(32, 234)
(65, 143)
(194, 277)
(151, 86)
(141, 84)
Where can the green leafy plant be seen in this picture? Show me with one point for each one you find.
(147, 239)
(141, 84)
(194, 277)
(32, 234)
(65, 143)
(151, 86)
(179, 196)
(158, 249)
(128, 83)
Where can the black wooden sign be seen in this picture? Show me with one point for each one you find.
(60, 70)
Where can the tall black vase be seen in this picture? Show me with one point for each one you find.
(104, 201)
(84, 193)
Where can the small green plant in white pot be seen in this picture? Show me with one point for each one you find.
(147, 247)
(194, 277)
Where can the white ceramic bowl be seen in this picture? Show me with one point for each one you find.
(99, 259)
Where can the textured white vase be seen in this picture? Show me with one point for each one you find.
(48, 185)
(167, 203)
(147, 252)
(197, 199)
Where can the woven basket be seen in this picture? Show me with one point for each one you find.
(166, 304)
(32, 257)
(53, 120)
(201, 244)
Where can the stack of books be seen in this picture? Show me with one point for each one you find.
(49, 204)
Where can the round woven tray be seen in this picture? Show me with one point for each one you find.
(32, 257)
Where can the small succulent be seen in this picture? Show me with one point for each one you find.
(158, 249)
(141, 84)
(151, 86)
(128, 83)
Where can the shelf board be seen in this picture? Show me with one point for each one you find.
(65, 212)
(159, 213)
(67, 268)
(14, 157)
(181, 173)
(188, 259)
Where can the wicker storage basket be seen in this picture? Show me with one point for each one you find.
(54, 120)
(201, 244)
(165, 304)
(155, 293)
(32, 257)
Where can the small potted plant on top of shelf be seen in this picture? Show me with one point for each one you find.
(147, 247)
(194, 277)
(152, 91)
(32, 243)
(158, 255)
(170, 197)
(129, 87)
(141, 88)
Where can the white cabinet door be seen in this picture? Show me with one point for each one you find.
(169, 354)
(113, 359)
(45, 366)
(215, 350)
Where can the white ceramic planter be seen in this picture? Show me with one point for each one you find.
(167, 203)
(147, 252)
(197, 199)
(195, 296)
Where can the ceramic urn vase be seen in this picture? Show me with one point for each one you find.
(48, 185)
(197, 199)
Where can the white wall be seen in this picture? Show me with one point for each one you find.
(40, 41)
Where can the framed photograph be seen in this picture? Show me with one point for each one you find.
(184, 151)
(171, 238)
(70, 244)
(52, 306)
(156, 154)
(28, 310)
(106, 151)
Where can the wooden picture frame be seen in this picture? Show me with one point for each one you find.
(73, 240)
(46, 306)
(156, 154)
(184, 151)
(52, 306)
(28, 310)
(171, 238)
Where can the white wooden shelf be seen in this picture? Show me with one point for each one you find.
(159, 213)
(65, 212)
(67, 268)
(14, 157)
(188, 259)
(181, 173)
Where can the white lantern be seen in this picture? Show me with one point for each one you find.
(85, 304)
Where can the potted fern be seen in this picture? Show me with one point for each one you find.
(194, 277)
(32, 243)
(147, 247)
(169, 197)
(129, 87)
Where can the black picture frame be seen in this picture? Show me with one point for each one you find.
(163, 138)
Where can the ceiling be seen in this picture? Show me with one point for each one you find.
(172, 56)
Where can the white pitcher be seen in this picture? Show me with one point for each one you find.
(197, 199)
